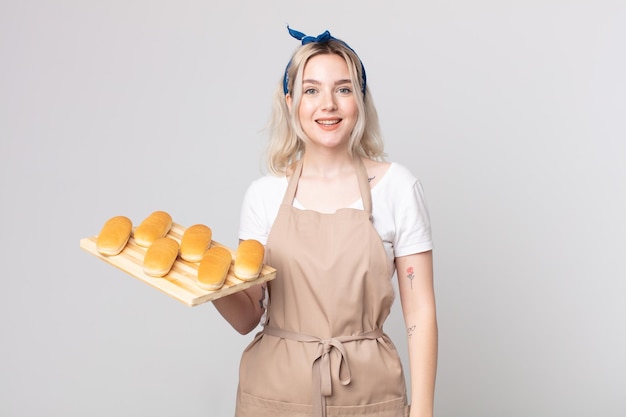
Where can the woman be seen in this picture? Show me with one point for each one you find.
(336, 221)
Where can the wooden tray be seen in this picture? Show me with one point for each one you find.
(180, 282)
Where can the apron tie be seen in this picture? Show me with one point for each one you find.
(322, 372)
(323, 355)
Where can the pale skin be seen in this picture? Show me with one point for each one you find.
(415, 284)
(328, 182)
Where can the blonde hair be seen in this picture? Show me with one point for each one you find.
(288, 140)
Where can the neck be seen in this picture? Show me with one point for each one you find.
(328, 165)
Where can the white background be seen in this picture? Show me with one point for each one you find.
(512, 114)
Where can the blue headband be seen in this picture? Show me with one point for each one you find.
(322, 38)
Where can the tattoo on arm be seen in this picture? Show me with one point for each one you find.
(410, 275)
(410, 331)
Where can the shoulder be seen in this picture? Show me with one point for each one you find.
(401, 173)
(267, 184)
(397, 177)
(382, 168)
(399, 190)
(260, 205)
(265, 194)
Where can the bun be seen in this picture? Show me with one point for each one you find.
(114, 235)
(160, 257)
(195, 242)
(214, 268)
(153, 227)
(249, 259)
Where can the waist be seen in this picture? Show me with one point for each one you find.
(307, 338)
(322, 372)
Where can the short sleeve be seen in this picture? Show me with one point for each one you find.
(413, 232)
(259, 207)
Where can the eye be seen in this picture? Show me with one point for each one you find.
(309, 91)
(344, 90)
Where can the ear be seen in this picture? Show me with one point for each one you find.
(288, 101)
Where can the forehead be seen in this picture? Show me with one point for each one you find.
(326, 66)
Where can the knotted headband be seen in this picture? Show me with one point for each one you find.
(322, 38)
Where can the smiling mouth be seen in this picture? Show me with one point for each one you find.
(328, 122)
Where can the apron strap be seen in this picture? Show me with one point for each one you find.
(322, 380)
(361, 174)
(364, 185)
(292, 186)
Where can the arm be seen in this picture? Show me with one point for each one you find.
(415, 283)
(243, 309)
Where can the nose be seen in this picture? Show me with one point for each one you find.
(328, 101)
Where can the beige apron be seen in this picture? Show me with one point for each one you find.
(323, 351)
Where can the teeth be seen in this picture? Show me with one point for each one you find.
(328, 122)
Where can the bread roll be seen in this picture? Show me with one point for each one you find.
(249, 259)
(160, 257)
(155, 226)
(213, 268)
(195, 242)
(114, 235)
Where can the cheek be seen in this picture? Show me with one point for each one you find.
(355, 108)
(353, 113)
(304, 110)
(350, 107)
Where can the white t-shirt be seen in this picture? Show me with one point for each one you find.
(399, 212)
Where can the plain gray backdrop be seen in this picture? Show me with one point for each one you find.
(511, 113)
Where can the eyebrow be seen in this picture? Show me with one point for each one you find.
(338, 82)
